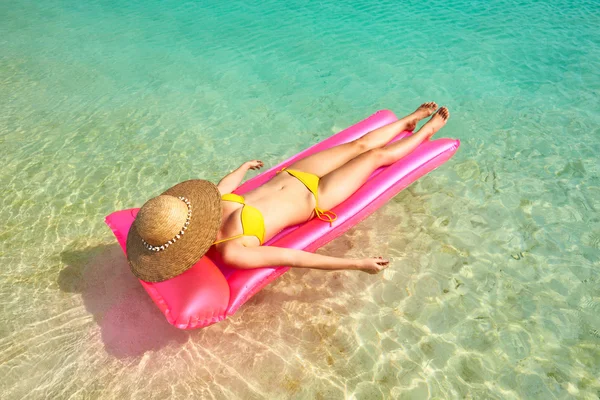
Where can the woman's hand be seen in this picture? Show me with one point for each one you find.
(373, 265)
(254, 164)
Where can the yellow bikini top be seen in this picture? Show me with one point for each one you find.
(253, 223)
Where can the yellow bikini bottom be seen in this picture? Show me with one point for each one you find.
(311, 181)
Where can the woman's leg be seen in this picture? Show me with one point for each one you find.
(340, 183)
(326, 161)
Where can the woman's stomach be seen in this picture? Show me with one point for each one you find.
(283, 201)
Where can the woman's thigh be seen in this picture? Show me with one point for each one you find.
(339, 184)
(325, 161)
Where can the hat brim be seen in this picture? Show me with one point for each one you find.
(157, 266)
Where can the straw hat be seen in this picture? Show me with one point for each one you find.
(174, 230)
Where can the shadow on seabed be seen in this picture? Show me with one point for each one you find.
(130, 322)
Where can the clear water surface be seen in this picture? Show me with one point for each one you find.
(494, 288)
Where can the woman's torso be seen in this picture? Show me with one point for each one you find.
(283, 201)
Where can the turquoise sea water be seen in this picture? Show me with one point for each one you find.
(494, 287)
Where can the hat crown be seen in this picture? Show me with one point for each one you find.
(160, 219)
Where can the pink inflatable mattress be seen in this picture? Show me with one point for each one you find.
(209, 292)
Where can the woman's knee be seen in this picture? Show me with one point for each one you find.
(362, 144)
(379, 156)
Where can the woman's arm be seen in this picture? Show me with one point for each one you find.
(230, 182)
(269, 256)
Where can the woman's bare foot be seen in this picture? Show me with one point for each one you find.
(435, 123)
(424, 111)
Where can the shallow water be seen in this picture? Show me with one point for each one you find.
(494, 287)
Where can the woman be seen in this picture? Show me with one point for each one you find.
(174, 230)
